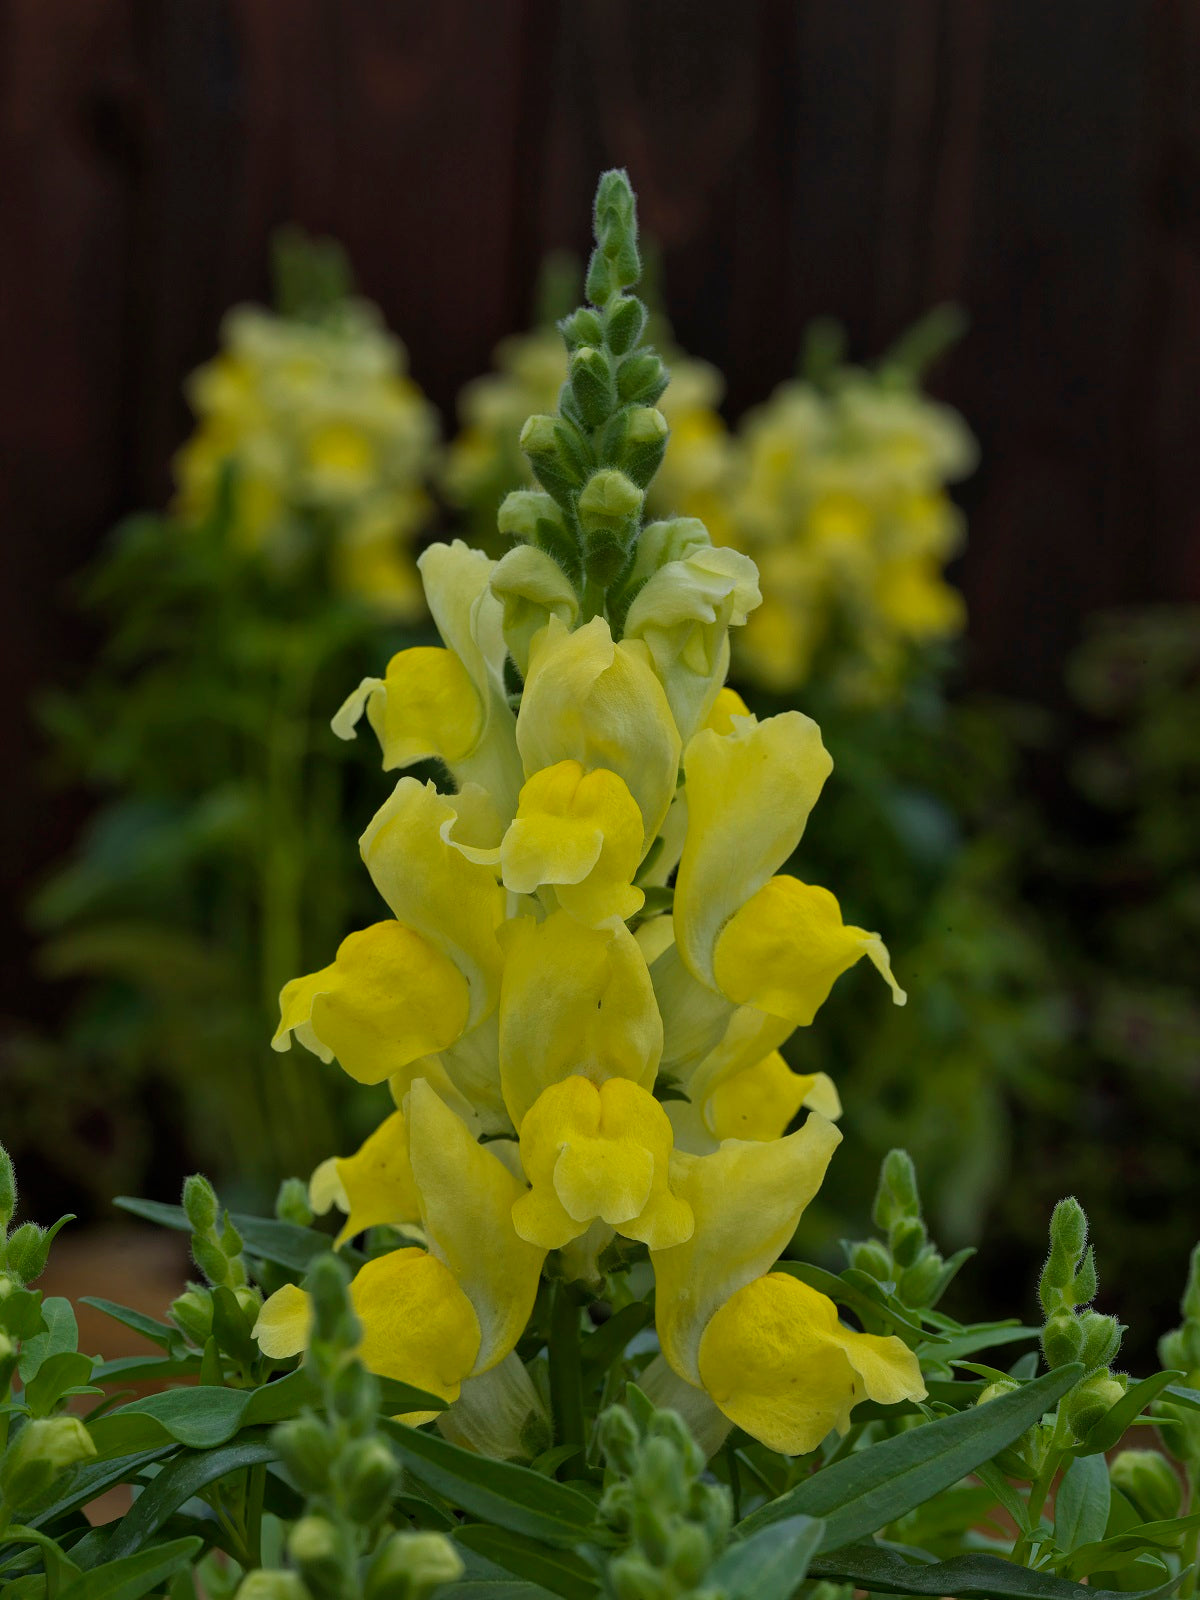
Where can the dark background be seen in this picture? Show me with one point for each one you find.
(1037, 163)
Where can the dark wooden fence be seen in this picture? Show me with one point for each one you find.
(866, 158)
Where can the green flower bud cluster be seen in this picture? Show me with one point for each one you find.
(216, 1243)
(1148, 1479)
(595, 458)
(673, 1523)
(1068, 1282)
(1180, 1350)
(291, 1203)
(908, 1259)
(24, 1250)
(38, 1456)
(344, 1547)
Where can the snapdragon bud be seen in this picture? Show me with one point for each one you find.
(641, 378)
(644, 445)
(200, 1203)
(907, 1239)
(264, 1585)
(633, 1578)
(292, 1203)
(919, 1282)
(410, 1565)
(661, 1475)
(522, 514)
(896, 1195)
(592, 385)
(307, 1450)
(1062, 1339)
(1149, 1480)
(582, 327)
(608, 503)
(313, 1545)
(192, 1312)
(624, 323)
(8, 1190)
(691, 1554)
(41, 1453)
(872, 1257)
(368, 1471)
(27, 1250)
(1090, 1400)
(1100, 1341)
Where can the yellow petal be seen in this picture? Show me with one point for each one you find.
(430, 886)
(725, 707)
(282, 1325)
(749, 796)
(590, 700)
(467, 1196)
(779, 1364)
(785, 948)
(387, 999)
(417, 1325)
(574, 1000)
(425, 706)
(598, 1153)
(746, 1199)
(467, 1077)
(532, 587)
(760, 1101)
(582, 833)
(377, 1181)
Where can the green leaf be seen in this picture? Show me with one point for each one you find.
(205, 1415)
(484, 1580)
(231, 1327)
(971, 1577)
(135, 1369)
(1186, 1397)
(55, 1564)
(959, 1346)
(1107, 1432)
(21, 1313)
(135, 1575)
(1081, 1506)
(562, 1572)
(1103, 1555)
(178, 1481)
(510, 1496)
(771, 1564)
(285, 1243)
(873, 1487)
(602, 1348)
(158, 1333)
(61, 1334)
(91, 1481)
(56, 1376)
(873, 1307)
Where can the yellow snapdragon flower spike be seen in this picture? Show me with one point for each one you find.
(840, 495)
(318, 432)
(595, 959)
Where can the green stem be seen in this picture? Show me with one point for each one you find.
(566, 1372)
(1190, 1554)
(256, 1486)
(1039, 1489)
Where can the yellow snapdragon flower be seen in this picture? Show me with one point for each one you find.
(841, 499)
(520, 991)
(320, 435)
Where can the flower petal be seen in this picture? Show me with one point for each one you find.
(574, 1000)
(749, 796)
(746, 1199)
(779, 1364)
(388, 998)
(582, 833)
(417, 1325)
(467, 1197)
(785, 948)
(377, 1181)
(590, 700)
(455, 904)
(283, 1321)
(759, 1101)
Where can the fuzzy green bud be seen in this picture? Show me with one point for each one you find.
(907, 1239)
(615, 263)
(592, 385)
(523, 511)
(918, 1283)
(200, 1203)
(306, 1448)
(40, 1454)
(641, 378)
(1090, 1400)
(27, 1250)
(291, 1203)
(211, 1259)
(1101, 1339)
(669, 1425)
(1062, 1339)
(624, 323)
(410, 1565)
(1190, 1304)
(644, 445)
(8, 1190)
(192, 1312)
(334, 1321)
(581, 327)
(1149, 1480)
(619, 1439)
(633, 1578)
(368, 1471)
(609, 502)
(896, 1194)
(537, 436)
(264, 1585)
(993, 1391)
(314, 1547)
(691, 1554)
(870, 1256)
